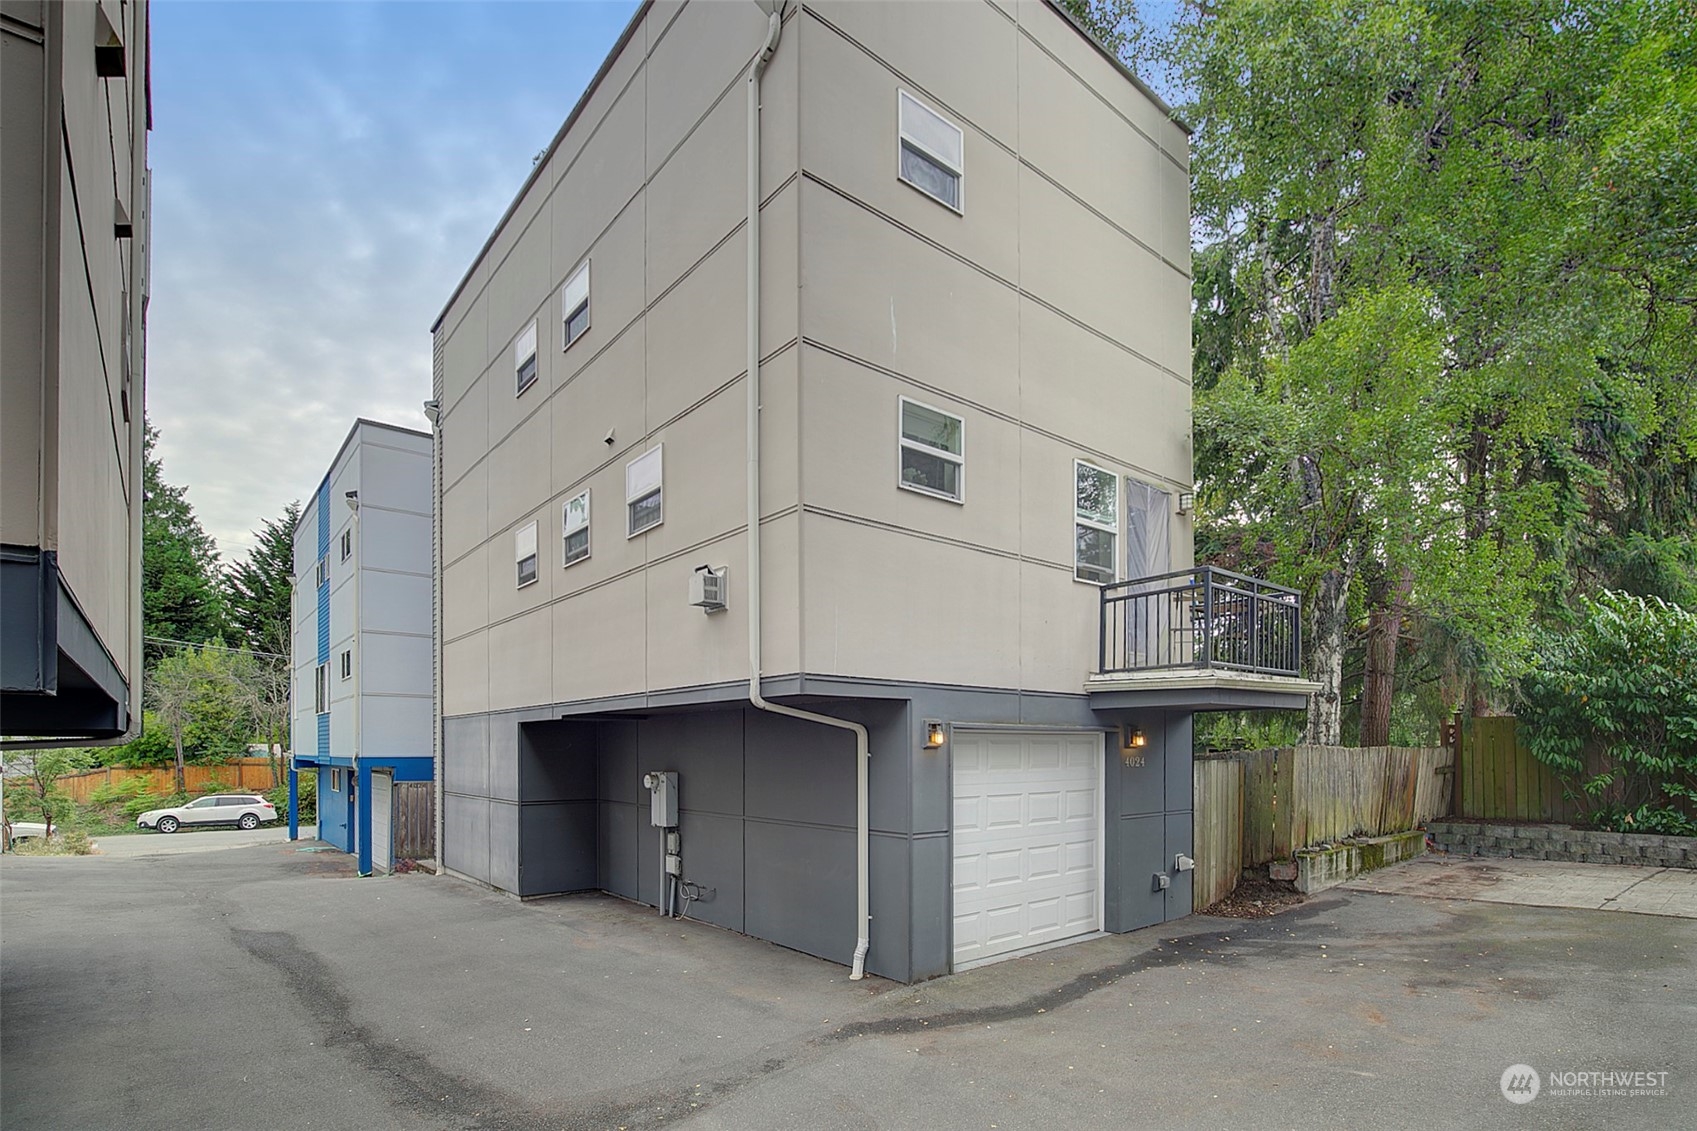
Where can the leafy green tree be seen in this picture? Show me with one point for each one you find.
(33, 783)
(197, 698)
(181, 595)
(1611, 705)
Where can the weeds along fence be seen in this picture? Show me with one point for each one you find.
(1257, 806)
(245, 775)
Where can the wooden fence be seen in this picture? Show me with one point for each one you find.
(1501, 780)
(242, 775)
(1273, 802)
(413, 818)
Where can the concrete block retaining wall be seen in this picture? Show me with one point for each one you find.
(1320, 868)
(1560, 842)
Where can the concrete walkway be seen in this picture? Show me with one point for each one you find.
(1540, 883)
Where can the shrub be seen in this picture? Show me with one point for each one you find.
(141, 803)
(307, 795)
(118, 792)
(1612, 707)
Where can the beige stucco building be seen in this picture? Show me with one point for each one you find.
(74, 219)
(973, 281)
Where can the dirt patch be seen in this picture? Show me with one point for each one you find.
(1258, 898)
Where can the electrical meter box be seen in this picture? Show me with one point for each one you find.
(662, 798)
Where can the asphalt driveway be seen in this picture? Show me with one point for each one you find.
(267, 988)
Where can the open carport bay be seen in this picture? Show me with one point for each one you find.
(264, 987)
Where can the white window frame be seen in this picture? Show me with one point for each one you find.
(567, 530)
(904, 444)
(347, 543)
(958, 168)
(321, 690)
(524, 550)
(524, 351)
(335, 779)
(322, 573)
(568, 307)
(1111, 529)
(635, 493)
(347, 663)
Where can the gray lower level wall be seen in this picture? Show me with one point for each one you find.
(550, 800)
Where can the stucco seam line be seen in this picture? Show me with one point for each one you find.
(388, 572)
(623, 453)
(548, 197)
(1115, 110)
(16, 25)
(390, 695)
(93, 303)
(684, 552)
(484, 374)
(393, 632)
(365, 506)
(958, 543)
(1105, 218)
(1147, 474)
(814, 178)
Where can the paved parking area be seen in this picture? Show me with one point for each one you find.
(267, 988)
(1540, 883)
(130, 845)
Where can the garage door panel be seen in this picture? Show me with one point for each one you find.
(1026, 840)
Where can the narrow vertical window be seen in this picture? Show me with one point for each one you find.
(931, 151)
(524, 358)
(524, 551)
(322, 574)
(1095, 521)
(575, 524)
(347, 663)
(933, 451)
(644, 499)
(1148, 546)
(574, 306)
(347, 544)
(321, 689)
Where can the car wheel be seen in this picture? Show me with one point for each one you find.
(167, 824)
(248, 821)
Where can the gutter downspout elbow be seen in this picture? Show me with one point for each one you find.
(863, 753)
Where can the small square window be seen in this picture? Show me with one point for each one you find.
(575, 524)
(322, 573)
(524, 358)
(644, 494)
(524, 550)
(574, 306)
(347, 663)
(347, 544)
(933, 451)
(1096, 512)
(930, 153)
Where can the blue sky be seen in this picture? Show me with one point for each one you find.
(323, 174)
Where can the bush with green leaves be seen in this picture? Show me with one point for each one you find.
(1611, 706)
(306, 795)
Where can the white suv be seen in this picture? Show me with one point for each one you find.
(244, 810)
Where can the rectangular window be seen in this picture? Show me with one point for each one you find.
(335, 779)
(644, 498)
(347, 663)
(524, 358)
(1148, 546)
(524, 550)
(574, 306)
(1095, 520)
(575, 524)
(933, 451)
(322, 574)
(931, 151)
(347, 544)
(321, 689)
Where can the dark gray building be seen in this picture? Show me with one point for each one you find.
(932, 706)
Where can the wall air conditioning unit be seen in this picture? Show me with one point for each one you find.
(709, 587)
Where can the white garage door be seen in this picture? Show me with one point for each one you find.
(382, 839)
(1027, 841)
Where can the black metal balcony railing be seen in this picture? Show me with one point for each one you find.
(1200, 618)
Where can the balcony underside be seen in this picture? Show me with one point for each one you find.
(1198, 689)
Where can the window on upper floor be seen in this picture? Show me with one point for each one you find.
(347, 663)
(574, 522)
(930, 153)
(321, 689)
(524, 552)
(347, 544)
(524, 358)
(322, 573)
(644, 496)
(1095, 522)
(574, 306)
(933, 451)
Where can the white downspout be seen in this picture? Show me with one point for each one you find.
(774, 29)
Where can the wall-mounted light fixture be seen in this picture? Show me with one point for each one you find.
(352, 498)
(1186, 502)
(433, 411)
(935, 735)
(1135, 739)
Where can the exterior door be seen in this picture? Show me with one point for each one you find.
(382, 837)
(1027, 841)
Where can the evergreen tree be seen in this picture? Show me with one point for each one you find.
(259, 586)
(181, 596)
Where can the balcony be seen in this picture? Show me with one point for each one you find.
(1201, 638)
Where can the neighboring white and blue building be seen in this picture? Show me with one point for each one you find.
(362, 651)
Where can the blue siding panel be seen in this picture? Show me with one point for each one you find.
(323, 735)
